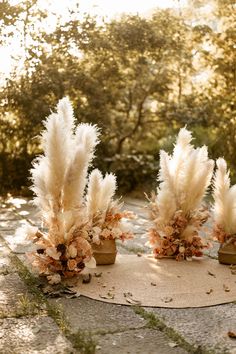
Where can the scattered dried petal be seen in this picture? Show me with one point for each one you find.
(167, 299)
(107, 296)
(98, 275)
(210, 273)
(232, 334)
(86, 278)
(226, 288)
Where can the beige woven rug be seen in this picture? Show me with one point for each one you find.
(145, 281)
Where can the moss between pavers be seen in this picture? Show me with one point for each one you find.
(82, 340)
(154, 322)
(32, 283)
(25, 307)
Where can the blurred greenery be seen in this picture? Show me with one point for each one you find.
(139, 79)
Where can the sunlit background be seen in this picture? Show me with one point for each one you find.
(139, 69)
(102, 9)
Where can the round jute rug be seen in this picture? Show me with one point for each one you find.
(146, 281)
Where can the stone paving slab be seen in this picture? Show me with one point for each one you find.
(205, 327)
(138, 341)
(12, 290)
(32, 335)
(7, 215)
(5, 263)
(95, 316)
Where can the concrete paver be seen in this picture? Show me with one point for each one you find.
(138, 341)
(205, 327)
(96, 316)
(31, 335)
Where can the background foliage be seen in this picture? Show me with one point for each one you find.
(139, 79)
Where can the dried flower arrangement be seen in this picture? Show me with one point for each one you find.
(107, 220)
(177, 211)
(224, 212)
(59, 179)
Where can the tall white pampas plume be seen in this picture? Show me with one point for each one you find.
(166, 174)
(181, 150)
(65, 112)
(100, 192)
(177, 210)
(38, 174)
(107, 191)
(86, 138)
(166, 205)
(87, 135)
(57, 148)
(93, 192)
(224, 207)
(75, 179)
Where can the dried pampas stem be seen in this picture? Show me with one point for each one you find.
(73, 220)
(224, 207)
(177, 211)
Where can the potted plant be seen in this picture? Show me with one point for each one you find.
(177, 211)
(224, 214)
(59, 176)
(108, 221)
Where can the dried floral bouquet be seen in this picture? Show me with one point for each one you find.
(177, 211)
(69, 217)
(107, 221)
(224, 212)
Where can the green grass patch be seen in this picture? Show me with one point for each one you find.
(155, 323)
(83, 342)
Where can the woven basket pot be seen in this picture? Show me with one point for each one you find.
(227, 253)
(105, 253)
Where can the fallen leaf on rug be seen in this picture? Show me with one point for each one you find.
(226, 288)
(109, 296)
(212, 274)
(86, 278)
(167, 299)
(129, 298)
(232, 334)
(98, 275)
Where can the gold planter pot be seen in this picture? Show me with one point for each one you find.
(105, 253)
(227, 252)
